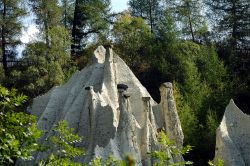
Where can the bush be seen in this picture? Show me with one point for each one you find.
(62, 147)
(18, 130)
(168, 150)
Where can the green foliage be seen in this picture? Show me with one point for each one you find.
(44, 67)
(2, 76)
(18, 130)
(87, 22)
(230, 20)
(63, 150)
(132, 36)
(45, 63)
(166, 30)
(193, 22)
(96, 162)
(220, 162)
(168, 150)
(112, 161)
(11, 14)
(65, 140)
(148, 10)
(200, 85)
(128, 161)
(67, 7)
(190, 124)
(59, 44)
(48, 14)
(212, 123)
(62, 145)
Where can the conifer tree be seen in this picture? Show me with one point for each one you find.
(48, 14)
(90, 17)
(45, 63)
(231, 19)
(193, 23)
(67, 13)
(11, 13)
(147, 9)
(232, 23)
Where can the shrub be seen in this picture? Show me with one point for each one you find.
(18, 130)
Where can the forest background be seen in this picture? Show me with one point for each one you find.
(202, 46)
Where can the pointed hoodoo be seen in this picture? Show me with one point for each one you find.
(233, 137)
(146, 142)
(169, 112)
(127, 129)
(91, 117)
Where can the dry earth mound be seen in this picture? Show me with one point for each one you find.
(111, 110)
(233, 137)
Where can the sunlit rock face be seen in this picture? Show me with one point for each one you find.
(233, 137)
(111, 110)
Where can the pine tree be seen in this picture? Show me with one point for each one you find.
(48, 14)
(45, 63)
(67, 13)
(193, 23)
(43, 68)
(11, 13)
(232, 23)
(90, 17)
(147, 9)
(232, 19)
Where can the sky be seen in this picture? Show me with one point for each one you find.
(119, 5)
(30, 30)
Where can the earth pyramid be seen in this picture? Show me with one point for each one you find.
(233, 137)
(107, 105)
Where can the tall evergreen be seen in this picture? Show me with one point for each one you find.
(232, 19)
(45, 63)
(232, 23)
(67, 12)
(11, 13)
(147, 9)
(193, 23)
(90, 17)
(48, 14)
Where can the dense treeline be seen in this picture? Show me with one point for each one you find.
(203, 47)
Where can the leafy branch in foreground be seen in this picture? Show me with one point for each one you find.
(220, 162)
(64, 151)
(18, 131)
(112, 161)
(168, 150)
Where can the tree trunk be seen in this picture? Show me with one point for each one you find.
(46, 28)
(4, 55)
(73, 33)
(234, 30)
(189, 12)
(150, 16)
(65, 13)
(191, 27)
